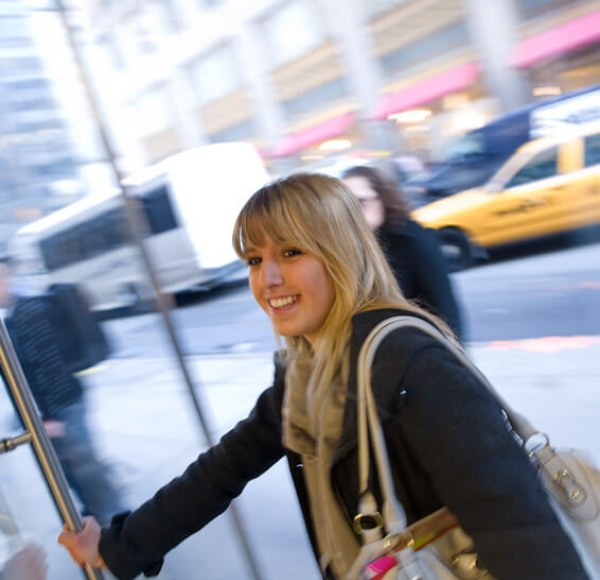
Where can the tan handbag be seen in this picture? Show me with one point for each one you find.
(436, 547)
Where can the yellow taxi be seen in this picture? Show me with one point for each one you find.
(549, 186)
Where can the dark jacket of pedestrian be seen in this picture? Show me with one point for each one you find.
(415, 257)
(31, 328)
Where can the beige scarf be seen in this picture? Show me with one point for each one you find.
(312, 425)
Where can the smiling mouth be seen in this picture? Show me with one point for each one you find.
(282, 301)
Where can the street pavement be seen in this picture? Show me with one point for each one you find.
(145, 425)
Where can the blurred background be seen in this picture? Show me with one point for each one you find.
(305, 81)
(102, 98)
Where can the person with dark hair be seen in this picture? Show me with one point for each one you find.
(413, 251)
(59, 394)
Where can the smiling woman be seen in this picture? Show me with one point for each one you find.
(318, 272)
(292, 286)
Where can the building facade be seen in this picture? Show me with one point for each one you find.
(38, 160)
(305, 79)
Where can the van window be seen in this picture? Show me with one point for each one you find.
(85, 240)
(542, 166)
(159, 211)
(468, 146)
(592, 150)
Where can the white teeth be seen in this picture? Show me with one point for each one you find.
(280, 302)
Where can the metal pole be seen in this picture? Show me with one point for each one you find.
(163, 301)
(44, 451)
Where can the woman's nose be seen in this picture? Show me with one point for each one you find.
(271, 273)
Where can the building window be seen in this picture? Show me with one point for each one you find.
(23, 66)
(155, 112)
(211, 3)
(534, 8)
(160, 19)
(244, 131)
(375, 7)
(135, 41)
(293, 30)
(316, 98)
(439, 42)
(217, 74)
(111, 52)
(14, 33)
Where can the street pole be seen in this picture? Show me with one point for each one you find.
(164, 302)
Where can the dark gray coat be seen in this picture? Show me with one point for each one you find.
(417, 261)
(32, 329)
(447, 439)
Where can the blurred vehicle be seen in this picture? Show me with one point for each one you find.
(476, 156)
(550, 186)
(187, 205)
(407, 167)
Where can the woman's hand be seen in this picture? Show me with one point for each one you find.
(55, 429)
(83, 545)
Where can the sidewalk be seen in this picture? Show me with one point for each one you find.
(144, 423)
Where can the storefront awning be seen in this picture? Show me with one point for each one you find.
(315, 134)
(557, 41)
(429, 89)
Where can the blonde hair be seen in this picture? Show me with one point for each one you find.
(322, 216)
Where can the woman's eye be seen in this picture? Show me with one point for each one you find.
(291, 252)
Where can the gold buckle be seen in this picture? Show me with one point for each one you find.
(568, 483)
(367, 522)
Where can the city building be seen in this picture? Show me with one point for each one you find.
(302, 79)
(307, 78)
(38, 158)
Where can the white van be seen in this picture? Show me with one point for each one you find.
(188, 202)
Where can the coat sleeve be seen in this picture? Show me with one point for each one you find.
(137, 542)
(459, 435)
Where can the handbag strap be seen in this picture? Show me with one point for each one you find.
(369, 427)
(369, 430)
(519, 423)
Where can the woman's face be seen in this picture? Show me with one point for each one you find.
(292, 286)
(370, 202)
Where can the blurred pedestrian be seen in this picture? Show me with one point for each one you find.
(28, 563)
(60, 397)
(317, 271)
(21, 559)
(413, 251)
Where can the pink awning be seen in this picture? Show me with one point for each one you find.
(315, 134)
(430, 89)
(557, 41)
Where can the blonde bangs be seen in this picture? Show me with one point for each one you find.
(280, 214)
